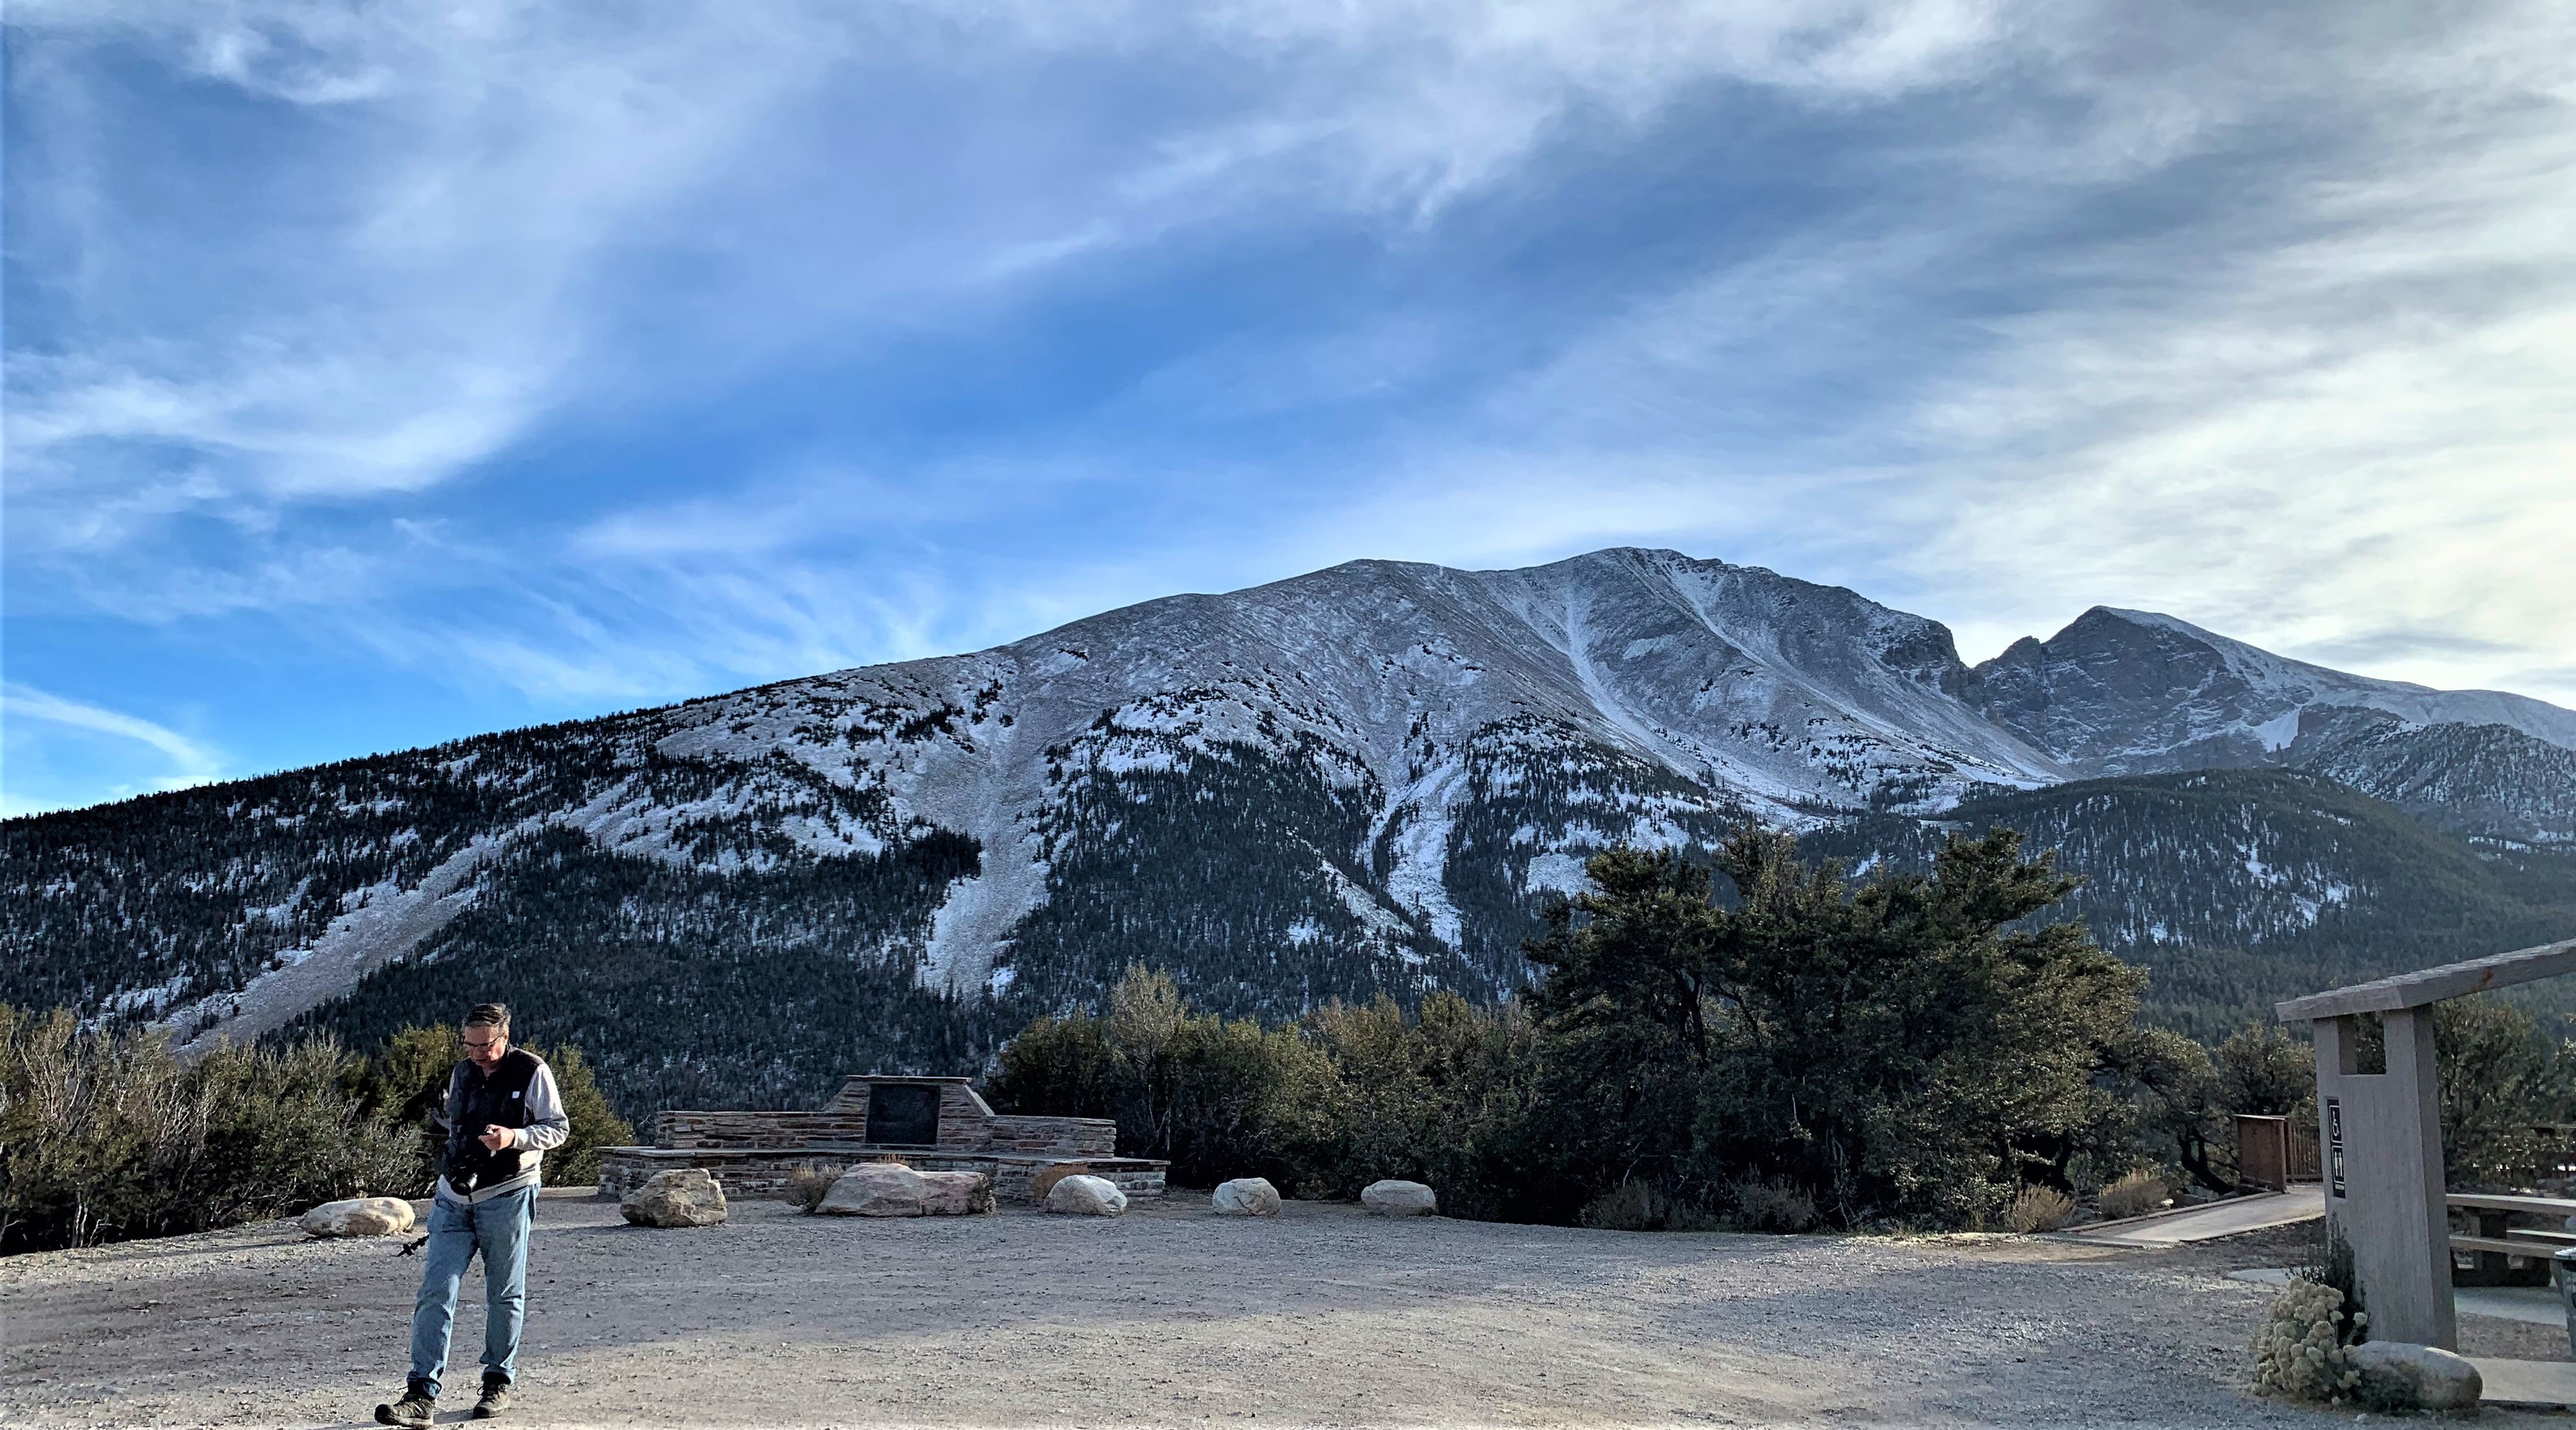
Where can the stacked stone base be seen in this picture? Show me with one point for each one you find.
(761, 1173)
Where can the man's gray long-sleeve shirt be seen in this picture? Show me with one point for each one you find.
(548, 1127)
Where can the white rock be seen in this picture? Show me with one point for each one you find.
(955, 1193)
(1086, 1196)
(2398, 1376)
(1247, 1196)
(1047, 1176)
(682, 1196)
(1393, 1198)
(877, 1189)
(359, 1216)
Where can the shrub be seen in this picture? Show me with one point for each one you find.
(106, 1136)
(2039, 1209)
(1774, 1206)
(1796, 1050)
(1216, 1097)
(1323, 1108)
(2136, 1194)
(810, 1183)
(1643, 1206)
(2302, 1349)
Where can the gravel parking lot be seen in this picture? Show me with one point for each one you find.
(1168, 1316)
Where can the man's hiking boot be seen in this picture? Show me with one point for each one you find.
(417, 1408)
(496, 1396)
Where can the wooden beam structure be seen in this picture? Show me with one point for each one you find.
(2433, 985)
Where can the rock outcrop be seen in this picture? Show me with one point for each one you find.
(683, 1196)
(359, 1216)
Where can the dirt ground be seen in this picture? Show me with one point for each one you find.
(1168, 1316)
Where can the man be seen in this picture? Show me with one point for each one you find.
(501, 1114)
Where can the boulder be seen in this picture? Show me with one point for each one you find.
(877, 1189)
(1086, 1196)
(955, 1193)
(359, 1216)
(682, 1196)
(2399, 1376)
(1393, 1198)
(1246, 1196)
(1052, 1173)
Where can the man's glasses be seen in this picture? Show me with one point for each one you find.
(472, 1046)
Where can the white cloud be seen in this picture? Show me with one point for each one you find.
(29, 716)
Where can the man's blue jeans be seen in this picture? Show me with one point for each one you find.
(499, 1229)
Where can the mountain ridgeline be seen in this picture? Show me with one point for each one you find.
(1358, 782)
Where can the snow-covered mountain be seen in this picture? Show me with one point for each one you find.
(1683, 693)
(1359, 781)
(2132, 692)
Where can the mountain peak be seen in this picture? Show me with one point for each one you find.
(2155, 620)
(2122, 691)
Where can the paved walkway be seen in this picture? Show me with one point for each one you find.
(2538, 1305)
(2532, 1305)
(2527, 1384)
(2209, 1222)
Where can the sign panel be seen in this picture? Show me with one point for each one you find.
(2334, 1145)
(903, 1114)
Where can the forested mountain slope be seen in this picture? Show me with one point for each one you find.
(1360, 781)
(2237, 888)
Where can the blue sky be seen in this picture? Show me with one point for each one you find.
(384, 373)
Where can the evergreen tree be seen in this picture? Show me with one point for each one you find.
(1897, 1049)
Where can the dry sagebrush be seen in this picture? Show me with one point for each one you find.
(2136, 1194)
(810, 1183)
(2039, 1209)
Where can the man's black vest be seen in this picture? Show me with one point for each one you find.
(477, 1100)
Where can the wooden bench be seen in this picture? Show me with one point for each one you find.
(2495, 1240)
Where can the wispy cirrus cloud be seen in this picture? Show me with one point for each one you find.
(34, 725)
(463, 177)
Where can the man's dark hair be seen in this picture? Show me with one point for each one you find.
(495, 1016)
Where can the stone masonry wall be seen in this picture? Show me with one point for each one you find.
(1071, 1136)
(757, 1129)
(1137, 1178)
(1080, 1136)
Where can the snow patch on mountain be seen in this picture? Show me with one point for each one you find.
(388, 924)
